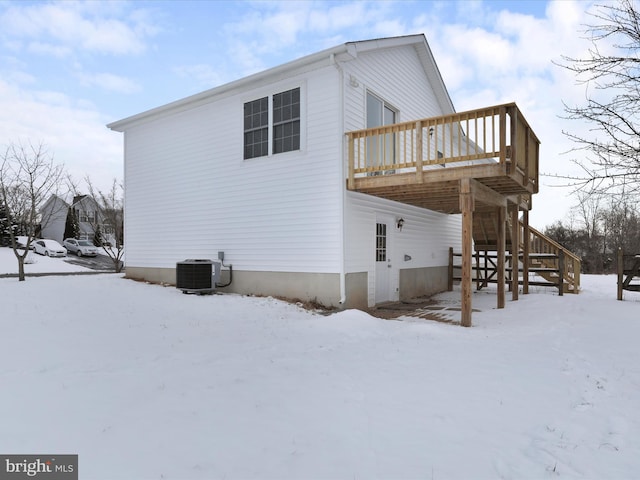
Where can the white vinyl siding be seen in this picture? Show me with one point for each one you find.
(426, 235)
(397, 77)
(190, 194)
(394, 75)
(54, 218)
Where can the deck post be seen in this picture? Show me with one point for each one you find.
(525, 252)
(620, 272)
(503, 137)
(561, 272)
(450, 281)
(476, 270)
(351, 183)
(466, 206)
(526, 177)
(502, 236)
(515, 253)
(419, 177)
(513, 114)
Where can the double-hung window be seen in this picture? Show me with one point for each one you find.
(286, 121)
(256, 128)
(88, 216)
(272, 124)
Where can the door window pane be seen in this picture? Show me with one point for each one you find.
(381, 242)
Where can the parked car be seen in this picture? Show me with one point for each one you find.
(80, 247)
(22, 241)
(50, 248)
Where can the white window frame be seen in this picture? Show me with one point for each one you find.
(88, 216)
(303, 118)
(375, 146)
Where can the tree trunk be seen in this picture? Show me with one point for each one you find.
(20, 269)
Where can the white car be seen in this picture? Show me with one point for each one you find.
(22, 241)
(50, 248)
(80, 247)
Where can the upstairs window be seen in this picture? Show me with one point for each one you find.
(256, 128)
(272, 124)
(286, 121)
(88, 216)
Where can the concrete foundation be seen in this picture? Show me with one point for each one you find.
(323, 288)
(419, 282)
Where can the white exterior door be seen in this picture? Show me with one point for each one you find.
(385, 274)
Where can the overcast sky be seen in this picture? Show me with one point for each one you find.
(69, 68)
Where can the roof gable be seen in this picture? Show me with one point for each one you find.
(52, 201)
(344, 52)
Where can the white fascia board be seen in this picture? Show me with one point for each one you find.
(435, 78)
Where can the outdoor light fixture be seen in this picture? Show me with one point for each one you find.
(399, 223)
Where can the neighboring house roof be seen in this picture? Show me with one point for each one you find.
(57, 202)
(346, 51)
(86, 201)
(78, 198)
(53, 199)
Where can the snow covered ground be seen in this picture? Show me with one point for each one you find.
(36, 264)
(143, 382)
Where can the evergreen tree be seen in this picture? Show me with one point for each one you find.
(5, 225)
(97, 236)
(71, 227)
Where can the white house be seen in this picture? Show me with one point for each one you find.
(53, 217)
(266, 170)
(54, 213)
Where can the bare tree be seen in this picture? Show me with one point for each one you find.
(109, 221)
(622, 221)
(610, 72)
(28, 177)
(595, 231)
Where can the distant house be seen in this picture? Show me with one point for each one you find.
(54, 216)
(322, 179)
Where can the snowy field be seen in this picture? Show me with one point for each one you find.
(36, 264)
(143, 382)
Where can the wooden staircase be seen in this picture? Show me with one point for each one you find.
(551, 261)
(540, 260)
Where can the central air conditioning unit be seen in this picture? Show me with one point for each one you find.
(197, 276)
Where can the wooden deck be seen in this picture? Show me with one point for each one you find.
(422, 163)
(482, 164)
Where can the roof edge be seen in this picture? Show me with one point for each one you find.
(202, 97)
(349, 49)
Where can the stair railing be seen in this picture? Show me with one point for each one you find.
(549, 252)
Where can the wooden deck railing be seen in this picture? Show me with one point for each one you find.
(498, 134)
(556, 265)
(628, 269)
(540, 244)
